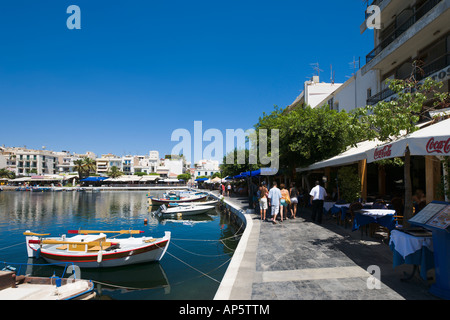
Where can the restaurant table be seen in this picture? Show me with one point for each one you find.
(340, 208)
(414, 250)
(383, 217)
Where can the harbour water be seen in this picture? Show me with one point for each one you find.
(200, 250)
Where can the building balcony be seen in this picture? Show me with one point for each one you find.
(438, 69)
(400, 30)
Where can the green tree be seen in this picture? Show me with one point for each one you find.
(184, 176)
(235, 168)
(79, 167)
(5, 173)
(85, 166)
(349, 184)
(114, 172)
(308, 135)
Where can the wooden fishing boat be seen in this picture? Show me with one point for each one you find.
(178, 211)
(14, 287)
(177, 197)
(18, 281)
(92, 249)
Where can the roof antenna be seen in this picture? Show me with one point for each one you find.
(316, 68)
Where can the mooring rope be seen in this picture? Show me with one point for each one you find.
(14, 245)
(201, 255)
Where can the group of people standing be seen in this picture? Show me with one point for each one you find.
(279, 200)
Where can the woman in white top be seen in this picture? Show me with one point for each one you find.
(262, 194)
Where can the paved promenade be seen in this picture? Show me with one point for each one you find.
(301, 260)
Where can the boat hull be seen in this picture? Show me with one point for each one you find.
(183, 211)
(158, 202)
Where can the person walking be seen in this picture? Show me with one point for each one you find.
(318, 194)
(263, 193)
(228, 189)
(293, 193)
(274, 201)
(284, 202)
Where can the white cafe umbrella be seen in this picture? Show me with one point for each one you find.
(433, 140)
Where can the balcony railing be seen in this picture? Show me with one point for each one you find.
(419, 13)
(427, 70)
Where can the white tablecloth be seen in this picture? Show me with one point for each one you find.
(346, 205)
(327, 205)
(376, 212)
(405, 244)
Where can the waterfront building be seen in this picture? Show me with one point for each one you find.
(314, 92)
(66, 160)
(206, 168)
(410, 31)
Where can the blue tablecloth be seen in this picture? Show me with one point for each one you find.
(360, 220)
(422, 257)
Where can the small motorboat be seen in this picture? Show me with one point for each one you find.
(198, 203)
(179, 211)
(177, 197)
(92, 249)
(26, 287)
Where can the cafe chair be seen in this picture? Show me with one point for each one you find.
(350, 217)
(380, 204)
(397, 205)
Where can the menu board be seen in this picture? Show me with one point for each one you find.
(441, 220)
(435, 215)
(427, 213)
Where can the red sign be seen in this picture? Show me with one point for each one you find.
(442, 146)
(383, 152)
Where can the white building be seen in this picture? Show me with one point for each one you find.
(39, 162)
(315, 92)
(353, 93)
(206, 168)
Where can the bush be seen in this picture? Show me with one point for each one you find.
(349, 184)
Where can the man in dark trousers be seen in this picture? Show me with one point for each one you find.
(318, 194)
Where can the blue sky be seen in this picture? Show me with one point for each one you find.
(138, 70)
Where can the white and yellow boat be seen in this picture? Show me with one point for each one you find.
(92, 249)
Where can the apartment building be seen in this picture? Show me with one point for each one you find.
(410, 31)
(106, 162)
(66, 160)
(39, 162)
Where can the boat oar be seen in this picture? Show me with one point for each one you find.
(36, 234)
(98, 231)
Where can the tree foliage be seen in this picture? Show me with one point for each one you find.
(308, 135)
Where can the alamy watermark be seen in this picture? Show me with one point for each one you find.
(256, 142)
(374, 281)
(373, 20)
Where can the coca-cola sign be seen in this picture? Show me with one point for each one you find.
(381, 153)
(438, 146)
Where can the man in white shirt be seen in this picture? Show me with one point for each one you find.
(318, 194)
(274, 201)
